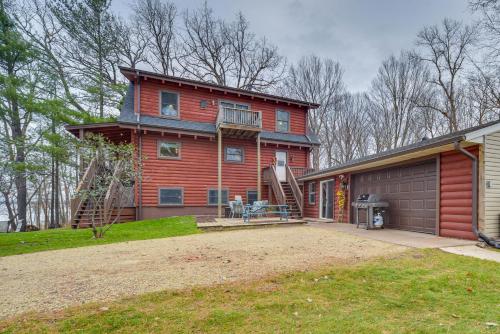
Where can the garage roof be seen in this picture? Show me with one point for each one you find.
(426, 147)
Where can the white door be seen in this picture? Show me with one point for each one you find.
(281, 159)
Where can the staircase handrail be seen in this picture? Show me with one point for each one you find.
(85, 182)
(279, 193)
(113, 189)
(297, 193)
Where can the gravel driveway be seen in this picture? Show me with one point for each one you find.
(56, 279)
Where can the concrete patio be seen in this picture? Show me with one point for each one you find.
(399, 237)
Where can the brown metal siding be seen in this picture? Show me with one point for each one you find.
(410, 191)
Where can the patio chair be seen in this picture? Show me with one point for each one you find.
(236, 208)
(259, 208)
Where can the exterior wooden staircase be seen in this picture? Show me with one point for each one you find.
(115, 206)
(293, 206)
(286, 192)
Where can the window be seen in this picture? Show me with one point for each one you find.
(169, 150)
(171, 196)
(234, 154)
(169, 104)
(251, 196)
(282, 121)
(213, 196)
(234, 105)
(312, 193)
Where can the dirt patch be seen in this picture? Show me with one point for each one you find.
(61, 278)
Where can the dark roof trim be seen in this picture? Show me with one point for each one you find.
(379, 157)
(130, 72)
(424, 144)
(90, 125)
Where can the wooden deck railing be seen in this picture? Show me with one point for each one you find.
(297, 193)
(271, 177)
(85, 182)
(241, 117)
(301, 171)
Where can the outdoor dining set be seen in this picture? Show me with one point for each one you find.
(257, 209)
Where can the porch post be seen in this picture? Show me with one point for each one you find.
(219, 173)
(82, 167)
(258, 169)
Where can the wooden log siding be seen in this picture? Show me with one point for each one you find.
(196, 171)
(190, 109)
(456, 195)
(312, 211)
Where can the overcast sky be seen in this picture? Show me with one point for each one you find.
(357, 33)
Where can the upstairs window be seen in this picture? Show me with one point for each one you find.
(213, 195)
(282, 121)
(169, 104)
(312, 193)
(234, 154)
(169, 150)
(171, 196)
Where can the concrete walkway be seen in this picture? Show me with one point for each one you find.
(415, 240)
(474, 251)
(404, 238)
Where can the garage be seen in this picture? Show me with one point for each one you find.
(411, 191)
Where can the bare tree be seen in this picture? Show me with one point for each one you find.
(156, 22)
(257, 65)
(228, 53)
(445, 49)
(319, 81)
(346, 135)
(394, 96)
(131, 43)
(485, 81)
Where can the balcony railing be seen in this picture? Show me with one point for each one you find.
(239, 118)
(301, 171)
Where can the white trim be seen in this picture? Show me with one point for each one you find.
(321, 199)
(235, 103)
(477, 136)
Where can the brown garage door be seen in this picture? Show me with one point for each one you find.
(410, 191)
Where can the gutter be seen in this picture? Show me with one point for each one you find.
(475, 187)
(378, 157)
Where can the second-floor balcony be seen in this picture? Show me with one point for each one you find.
(237, 121)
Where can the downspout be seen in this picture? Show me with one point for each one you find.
(139, 149)
(475, 188)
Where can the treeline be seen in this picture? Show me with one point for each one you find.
(59, 64)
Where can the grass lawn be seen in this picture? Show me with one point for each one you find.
(29, 242)
(420, 291)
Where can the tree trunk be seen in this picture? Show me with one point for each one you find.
(20, 171)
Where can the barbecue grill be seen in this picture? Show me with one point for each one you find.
(371, 203)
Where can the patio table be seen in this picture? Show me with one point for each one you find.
(249, 211)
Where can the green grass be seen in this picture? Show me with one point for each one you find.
(30, 242)
(421, 291)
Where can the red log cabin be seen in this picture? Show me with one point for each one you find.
(199, 142)
(203, 144)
